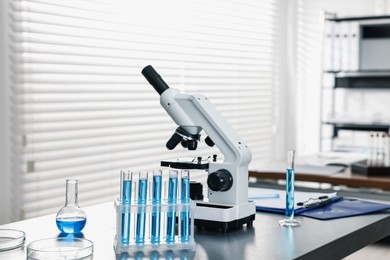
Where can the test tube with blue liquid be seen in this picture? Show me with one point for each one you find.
(289, 220)
(125, 199)
(141, 215)
(172, 200)
(185, 214)
(156, 201)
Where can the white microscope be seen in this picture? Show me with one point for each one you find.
(227, 206)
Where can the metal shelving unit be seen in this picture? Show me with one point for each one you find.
(352, 79)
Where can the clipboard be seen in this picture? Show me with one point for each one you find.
(345, 207)
(338, 207)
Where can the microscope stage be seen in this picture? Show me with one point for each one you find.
(187, 163)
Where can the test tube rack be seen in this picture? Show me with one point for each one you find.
(149, 247)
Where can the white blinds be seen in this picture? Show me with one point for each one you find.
(308, 76)
(81, 108)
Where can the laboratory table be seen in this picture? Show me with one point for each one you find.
(314, 239)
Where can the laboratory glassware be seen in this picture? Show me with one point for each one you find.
(185, 198)
(289, 220)
(71, 218)
(125, 199)
(157, 232)
(11, 239)
(60, 248)
(141, 215)
(172, 197)
(156, 200)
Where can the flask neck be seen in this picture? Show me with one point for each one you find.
(71, 192)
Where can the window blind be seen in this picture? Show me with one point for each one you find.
(80, 107)
(308, 77)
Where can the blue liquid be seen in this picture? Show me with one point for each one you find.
(141, 217)
(71, 225)
(154, 255)
(290, 194)
(171, 216)
(157, 182)
(185, 215)
(126, 198)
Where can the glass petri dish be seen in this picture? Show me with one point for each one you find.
(11, 239)
(60, 248)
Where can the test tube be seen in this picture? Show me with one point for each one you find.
(377, 149)
(290, 172)
(383, 150)
(371, 150)
(387, 150)
(125, 198)
(185, 199)
(141, 215)
(156, 200)
(171, 214)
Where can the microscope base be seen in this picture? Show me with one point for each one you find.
(224, 217)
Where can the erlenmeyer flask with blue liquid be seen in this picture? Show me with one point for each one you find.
(71, 218)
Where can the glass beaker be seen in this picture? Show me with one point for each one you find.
(71, 218)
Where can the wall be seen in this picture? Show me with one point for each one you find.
(3, 130)
(57, 144)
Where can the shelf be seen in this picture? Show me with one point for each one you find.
(361, 73)
(356, 58)
(358, 18)
(337, 126)
(367, 80)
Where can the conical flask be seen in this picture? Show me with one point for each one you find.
(71, 218)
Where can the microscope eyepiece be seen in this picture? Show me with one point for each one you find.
(154, 79)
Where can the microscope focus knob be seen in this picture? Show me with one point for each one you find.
(220, 180)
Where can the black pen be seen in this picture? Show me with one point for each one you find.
(318, 203)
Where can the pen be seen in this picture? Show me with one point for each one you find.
(264, 196)
(319, 202)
